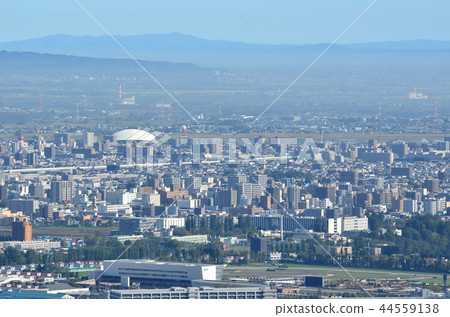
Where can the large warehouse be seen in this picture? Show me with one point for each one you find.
(155, 274)
(260, 292)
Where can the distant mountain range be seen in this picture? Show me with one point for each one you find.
(179, 48)
(42, 64)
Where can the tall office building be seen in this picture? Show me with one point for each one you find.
(245, 193)
(351, 177)
(193, 184)
(62, 191)
(276, 194)
(373, 143)
(266, 202)
(49, 152)
(326, 192)
(410, 206)
(401, 149)
(258, 244)
(234, 180)
(432, 185)
(260, 179)
(21, 230)
(88, 139)
(46, 211)
(63, 138)
(31, 158)
(430, 206)
(3, 192)
(37, 190)
(227, 198)
(293, 196)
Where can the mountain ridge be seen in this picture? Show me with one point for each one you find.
(181, 48)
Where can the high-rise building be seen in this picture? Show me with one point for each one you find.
(21, 230)
(401, 149)
(410, 206)
(430, 206)
(260, 179)
(62, 191)
(245, 193)
(373, 143)
(49, 152)
(234, 180)
(351, 177)
(63, 139)
(432, 185)
(31, 158)
(227, 198)
(293, 196)
(326, 192)
(88, 139)
(265, 202)
(193, 184)
(46, 211)
(443, 146)
(3, 192)
(259, 244)
(37, 190)
(276, 194)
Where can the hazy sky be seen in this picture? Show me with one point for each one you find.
(256, 21)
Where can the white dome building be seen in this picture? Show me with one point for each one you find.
(134, 135)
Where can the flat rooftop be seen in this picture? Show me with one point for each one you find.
(106, 262)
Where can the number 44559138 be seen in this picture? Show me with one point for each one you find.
(409, 308)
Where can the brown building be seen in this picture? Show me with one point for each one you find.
(169, 197)
(21, 230)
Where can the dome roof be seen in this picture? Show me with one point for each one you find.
(134, 135)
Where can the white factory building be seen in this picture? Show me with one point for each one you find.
(149, 272)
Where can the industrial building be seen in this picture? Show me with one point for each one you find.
(31, 245)
(152, 273)
(263, 292)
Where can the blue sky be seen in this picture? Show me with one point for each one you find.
(263, 21)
